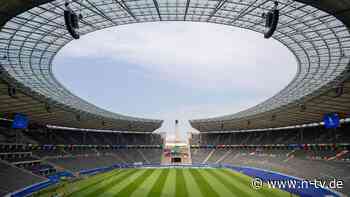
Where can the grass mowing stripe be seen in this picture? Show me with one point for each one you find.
(156, 190)
(231, 186)
(146, 186)
(127, 191)
(203, 185)
(106, 176)
(112, 191)
(98, 185)
(180, 184)
(112, 183)
(169, 186)
(191, 185)
(215, 184)
(247, 180)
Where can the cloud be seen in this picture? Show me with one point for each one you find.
(211, 58)
(195, 54)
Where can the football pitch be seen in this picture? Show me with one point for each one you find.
(167, 182)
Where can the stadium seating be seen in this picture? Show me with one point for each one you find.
(78, 163)
(299, 163)
(59, 136)
(30, 156)
(49, 153)
(152, 155)
(199, 155)
(217, 155)
(107, 157)
(307, 135)
(16, 178)
(294, 152)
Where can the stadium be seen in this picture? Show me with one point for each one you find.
(55, 143)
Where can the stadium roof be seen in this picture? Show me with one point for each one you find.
(31, 35)
(316, 33)
(319, 38)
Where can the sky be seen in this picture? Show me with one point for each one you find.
(174, 70)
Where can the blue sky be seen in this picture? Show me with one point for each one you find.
(174, 70)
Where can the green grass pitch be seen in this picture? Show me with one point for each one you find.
(167, 182)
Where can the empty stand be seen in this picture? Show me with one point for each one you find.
(13, 178)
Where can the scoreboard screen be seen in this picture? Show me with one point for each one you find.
(176, 160)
